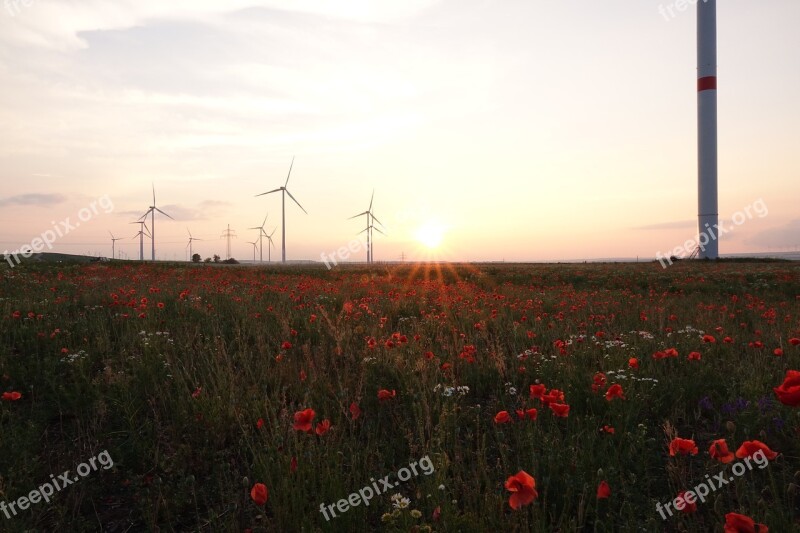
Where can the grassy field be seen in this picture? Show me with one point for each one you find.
(196, 380)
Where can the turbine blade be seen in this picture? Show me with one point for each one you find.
(295, 201)
(358, 215)
(162, 212)
(379, 231)
(370, 200)
(290, 173)
(376, 220)
(270, 192)
(265, 220)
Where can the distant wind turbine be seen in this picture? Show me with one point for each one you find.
(189, 246)
(255, 246)
(284, 191)
(370, 226)
(271, 244)
(152, 213)
(261, 233)
(113, 245)
(142, 232)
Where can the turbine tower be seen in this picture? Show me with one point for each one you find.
(284, 191)
(707, 200)
(113, 245)
(152, 213)
(142, 232)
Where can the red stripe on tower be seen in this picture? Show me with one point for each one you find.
(709, 83)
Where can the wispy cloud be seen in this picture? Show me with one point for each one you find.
(786, 236)
(678, 224)
(33, 200)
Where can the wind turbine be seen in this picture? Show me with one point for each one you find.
(142, 232)
(271, 244)
(191, 239)
(255, 245)
(284, 191)
(152, 213)
(113, 245)
(261, 233)
(371, 219)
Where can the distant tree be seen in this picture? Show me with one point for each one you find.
(196, 258)
(216, 258)
(207, 260)
(231, 261)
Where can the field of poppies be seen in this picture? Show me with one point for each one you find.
(545, 397)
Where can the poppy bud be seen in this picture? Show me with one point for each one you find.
(730, 426)
(245, 482)
(600, 473)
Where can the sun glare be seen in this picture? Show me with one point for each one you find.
(430, 234)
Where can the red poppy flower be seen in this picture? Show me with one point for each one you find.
(719, 451)
(554, 396)
(788, 392)
(607, 429)
(293, 465)
(615, 391)
(286, 345)
(323, 427)
(603, 490)
(680, 446)
(502, 417)
(259, 493)
(260, 423)
(11, 396)
(355, 410)
(747, 449)
(429, 355)
(633, 363)
(303, 375)
(694, 356)
(303, 419)
(598, 381)
(537, 391)
(794, 341)
(523, 489)
(531, 414)
(560, 409)
(778, 352)
(709, 338)
(687, 507)
(739, 523)
(384, 394)
(727, 340)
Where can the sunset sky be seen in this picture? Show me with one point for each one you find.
(517, 130)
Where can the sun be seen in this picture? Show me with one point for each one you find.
(431, 234)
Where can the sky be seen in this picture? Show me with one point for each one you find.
(521, 130)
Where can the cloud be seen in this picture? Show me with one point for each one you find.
(59, 23)
(33, 199)
(786, 236)
(679, 224)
